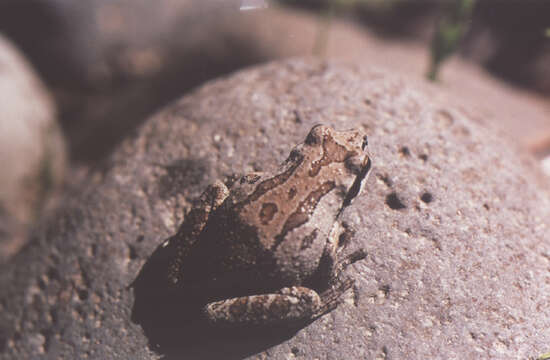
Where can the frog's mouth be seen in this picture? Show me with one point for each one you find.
(358, 184)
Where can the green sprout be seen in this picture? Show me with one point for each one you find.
(449, 31)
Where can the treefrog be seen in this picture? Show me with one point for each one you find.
(266, 248)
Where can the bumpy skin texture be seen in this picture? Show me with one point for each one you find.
(265, 249)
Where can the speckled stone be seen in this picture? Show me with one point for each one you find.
(454, 219)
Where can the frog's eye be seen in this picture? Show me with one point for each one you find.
(365, 142)
(316, 135)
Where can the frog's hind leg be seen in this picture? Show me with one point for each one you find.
(288, 306)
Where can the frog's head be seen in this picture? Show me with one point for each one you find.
(336, 148)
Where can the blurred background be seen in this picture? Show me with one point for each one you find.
(77, 77)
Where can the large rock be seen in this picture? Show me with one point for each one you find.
(454, 219)
(32, 151)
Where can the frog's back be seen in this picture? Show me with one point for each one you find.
(274, 227)
(256, 239)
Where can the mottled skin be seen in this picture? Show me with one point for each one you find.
(265, 249)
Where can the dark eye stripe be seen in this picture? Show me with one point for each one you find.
(365, 142)
(356, 186)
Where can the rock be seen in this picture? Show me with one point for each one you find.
(32, 151)
(454, 220)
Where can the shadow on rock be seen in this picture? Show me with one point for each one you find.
(176, 328)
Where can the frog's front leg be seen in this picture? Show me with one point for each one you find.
(340, 265)
(332, 264)
(291, 305)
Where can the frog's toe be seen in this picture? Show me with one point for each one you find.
(343, 263)
(332, 297)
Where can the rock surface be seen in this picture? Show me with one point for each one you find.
(454, 220)
(32, 151)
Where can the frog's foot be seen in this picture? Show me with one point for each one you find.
(332, 297)
(350, 259)
(343, 263)
(289, 305)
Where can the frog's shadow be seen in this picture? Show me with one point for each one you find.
(175, 327)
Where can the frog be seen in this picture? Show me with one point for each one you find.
(267, 248)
